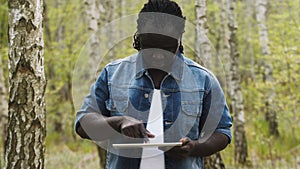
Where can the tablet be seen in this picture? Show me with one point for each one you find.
(142, 145)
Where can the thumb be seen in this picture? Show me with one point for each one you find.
(185, 140)
(150, 135)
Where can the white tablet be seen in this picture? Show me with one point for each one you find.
(141, 145)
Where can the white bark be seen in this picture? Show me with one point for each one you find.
(3, 105)
(261, 17)
(236, 104)
(111, 32)
(94, 9)
(26, 132)
(224, 50)
(204, 56)
(202, 45)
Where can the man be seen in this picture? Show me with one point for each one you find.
(194, 108)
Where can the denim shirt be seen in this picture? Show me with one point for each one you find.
(192, 99)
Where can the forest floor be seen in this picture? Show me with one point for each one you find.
(82, 154)
(85, 157)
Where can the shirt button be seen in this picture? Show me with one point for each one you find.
(146, 95)
(168, 122)
(166, 95)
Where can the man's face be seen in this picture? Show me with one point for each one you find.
(158, 51)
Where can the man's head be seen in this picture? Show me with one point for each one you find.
(160, 26)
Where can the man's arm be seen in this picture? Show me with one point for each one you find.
(215, 143)
(98, 127)
(215, 114)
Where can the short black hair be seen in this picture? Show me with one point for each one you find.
(159, 6)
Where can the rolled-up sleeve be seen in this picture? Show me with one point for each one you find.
(216, 116)
(225, 124)
(95, 100)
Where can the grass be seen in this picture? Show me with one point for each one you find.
(78, 154)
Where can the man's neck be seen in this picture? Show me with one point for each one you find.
(157, 77)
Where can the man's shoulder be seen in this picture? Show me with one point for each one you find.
(195, 66)
(129, 59)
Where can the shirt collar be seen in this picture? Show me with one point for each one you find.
(176, 70)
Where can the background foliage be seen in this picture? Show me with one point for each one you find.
(66, 34)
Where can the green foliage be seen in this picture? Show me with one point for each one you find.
(3, 23)
(68, 35)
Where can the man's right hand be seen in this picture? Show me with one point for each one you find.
(134, 128)
(92, 123)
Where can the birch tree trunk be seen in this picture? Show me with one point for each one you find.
(94, 9)
(204, 56)
(224, 50)
(3, 106)
(202, 45)
(111, 32)
(25, 145)
(261, 17)
(237, 107)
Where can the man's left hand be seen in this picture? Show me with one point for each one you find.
(183, 151)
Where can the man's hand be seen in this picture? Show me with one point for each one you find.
(183, 151)
(134, 128)
(92, 123)
(215, 143)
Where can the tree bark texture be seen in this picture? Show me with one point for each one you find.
(224, 50)
(111, 32)
(237, 106)
(204, 56)
(25, 145)
(261, 17)
(94, 11)
(3, 106)
(202, 45)
(214, 162)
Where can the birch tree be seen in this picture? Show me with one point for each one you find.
(204, 55)
(224, 49)
(3, 105)
(111, 31)
(94, 9)
(236, 103)
(261, 17)
(26, 132)
(202, 47)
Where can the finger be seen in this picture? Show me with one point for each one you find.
(150, 135)
(145, 136)
(141, 131)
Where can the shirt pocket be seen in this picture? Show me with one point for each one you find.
(117, 107)
(191, 109)
(191, 103)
